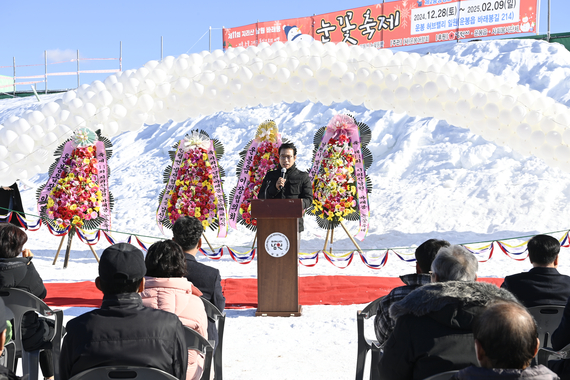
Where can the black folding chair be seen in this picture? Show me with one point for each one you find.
(20, 302)
(546, 354)
(195, 341)
(215, 315)
(547, 318)
(365, 344)
(129, 372)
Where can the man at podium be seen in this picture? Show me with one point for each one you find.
(287, 182)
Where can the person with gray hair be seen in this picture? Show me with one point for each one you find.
(454, 263)
(433, 331)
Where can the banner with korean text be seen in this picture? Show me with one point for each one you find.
(397, 23)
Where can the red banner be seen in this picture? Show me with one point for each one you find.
(398, 23)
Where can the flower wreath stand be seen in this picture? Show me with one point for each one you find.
(76, 195)
(338, 173)
(194, 184)
(259, 156)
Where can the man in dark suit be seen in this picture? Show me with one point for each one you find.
(187, 232)
(287, 182)
(543, 284)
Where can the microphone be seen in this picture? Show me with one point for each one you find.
(283, 171)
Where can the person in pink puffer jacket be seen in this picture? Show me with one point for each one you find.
(166, 288)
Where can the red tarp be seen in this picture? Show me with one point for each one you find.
(313, 290)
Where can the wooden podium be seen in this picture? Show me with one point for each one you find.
(277, 256)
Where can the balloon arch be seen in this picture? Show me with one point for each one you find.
(189, 85)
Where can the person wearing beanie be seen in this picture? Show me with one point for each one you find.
(123, 332)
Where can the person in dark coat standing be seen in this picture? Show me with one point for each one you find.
(10, 200)
(290, 183)
(433, 331)
(187, 232)
(506, 340)
(123, 332)
(543, 284)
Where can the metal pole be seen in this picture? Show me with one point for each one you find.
(45, 74)
(548, 33)
(210, 39)
(161, 48)
(14, 88)
(120, 55)
(78, 69)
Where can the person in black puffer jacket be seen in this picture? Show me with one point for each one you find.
(20, 273)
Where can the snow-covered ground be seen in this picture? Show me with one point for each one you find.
(431, 180)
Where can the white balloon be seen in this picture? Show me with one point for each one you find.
(270, 69)
(296, 83)
(505, 116)
(392, 81)
(533, 117)
(50, 109)
(518, 113)
(463, 107)
(245, 74)
(181, 84)
(3, 152)
(49, 140)
(476, 114)
(491, 110)
(339, 68)
(508, 102)
(117, 90)
(119, 111)
(312, 85)
(416, 91)
(162, 90)
(112, 128)
(36, 132)
(387, 96)
(68, 96)
(293, 63)
(452, 94)
(553, 138)
(196, 89)
(479, 99)
(420, 77)
(145, 103)
(430, 89)
(25, 144)
(360, 88)
(35, 117)
(537, 138)
(131, 85)
(524, 131)
(260, 81)
(401, 93)
(7, 137)
(562, 153)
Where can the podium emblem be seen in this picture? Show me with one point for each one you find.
(277, 244)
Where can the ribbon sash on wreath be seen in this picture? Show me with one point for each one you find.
(345, 124)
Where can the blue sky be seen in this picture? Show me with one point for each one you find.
(95, 28)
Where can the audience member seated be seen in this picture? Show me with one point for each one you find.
(425, 253)
(543, 284)
(187, 231)
(5, 333)
(433, 331)
(506, 340)
(167, 289)
(19, 272)
(123, 331)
